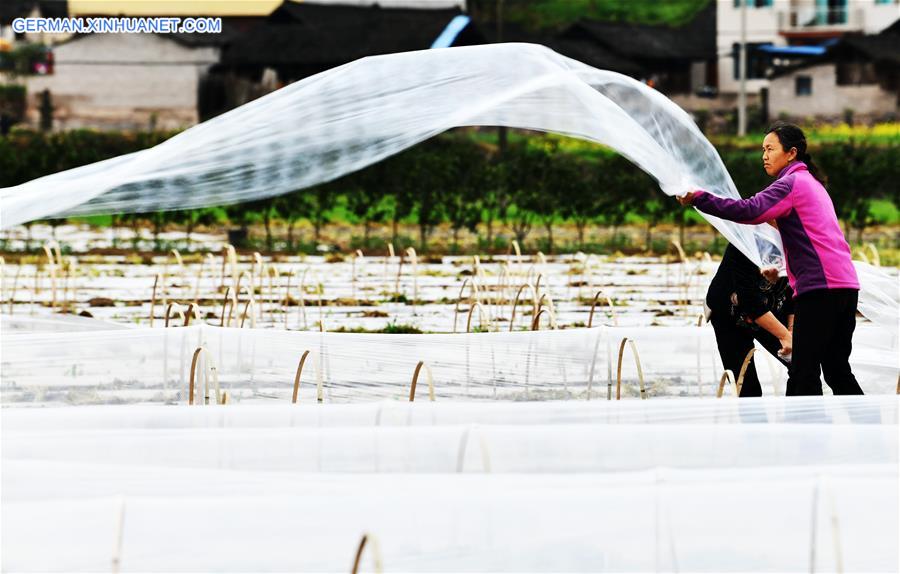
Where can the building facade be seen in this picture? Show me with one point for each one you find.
(788, 23)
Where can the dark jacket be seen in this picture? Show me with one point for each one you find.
(739, 290)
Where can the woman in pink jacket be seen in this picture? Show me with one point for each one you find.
(817, 256)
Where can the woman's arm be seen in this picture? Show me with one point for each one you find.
(774, 326)
(771, 203)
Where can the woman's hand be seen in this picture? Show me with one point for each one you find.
(687, 198)
(770, 273)
(787, 344)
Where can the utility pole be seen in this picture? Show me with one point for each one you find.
(742, 65)
(501, 131)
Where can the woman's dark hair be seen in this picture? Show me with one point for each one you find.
(792, 136)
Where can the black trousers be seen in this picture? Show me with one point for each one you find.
(824, 321)
(735, 342)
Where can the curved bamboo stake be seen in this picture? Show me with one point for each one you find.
(727, 376)
(173, 305)
(609, 302)
(414, 259)
(229, 257)
(502, 285)
(701, 320)
(69, 272)
(550, 307)
(191, 312)
(740, 380)
(387, 260)
(52, 267)
(637, 361)
(415, 379)
(536, 321)
(257, 268)
(297, 375)
(459, 299)
(180, 263)
(512, 319)
(518, 250)
(210, 368)
(251, 306)
(226, 299)
(369, 540)
(541, 258)
(272, 278)
(481, 313)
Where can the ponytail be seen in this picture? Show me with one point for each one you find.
(814, 170)
(792, 136)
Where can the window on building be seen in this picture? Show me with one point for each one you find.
(856, 73)
(757, 62)
(803, 86)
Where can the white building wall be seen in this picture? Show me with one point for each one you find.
(766, 24)
(827, 98)
(762, 26)
(122, 81)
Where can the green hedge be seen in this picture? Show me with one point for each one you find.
(462, 179)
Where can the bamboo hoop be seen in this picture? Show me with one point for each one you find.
(472, 288)
(740, 380)
(536, 321)
(541, 258)
(727, 376)
(177, 308)
(415, 379)
(609, 302)
(250, 304)
(229, 257)
(518, 250)
(272, 279)
(637, 362)
(502, 285)
(370, 541)
(165, 276)
(481, 313)
(257, 270)
(319, 390)
(226, 299)
(387, 260)
(512, 319)
(210, 368)
(52, 267)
